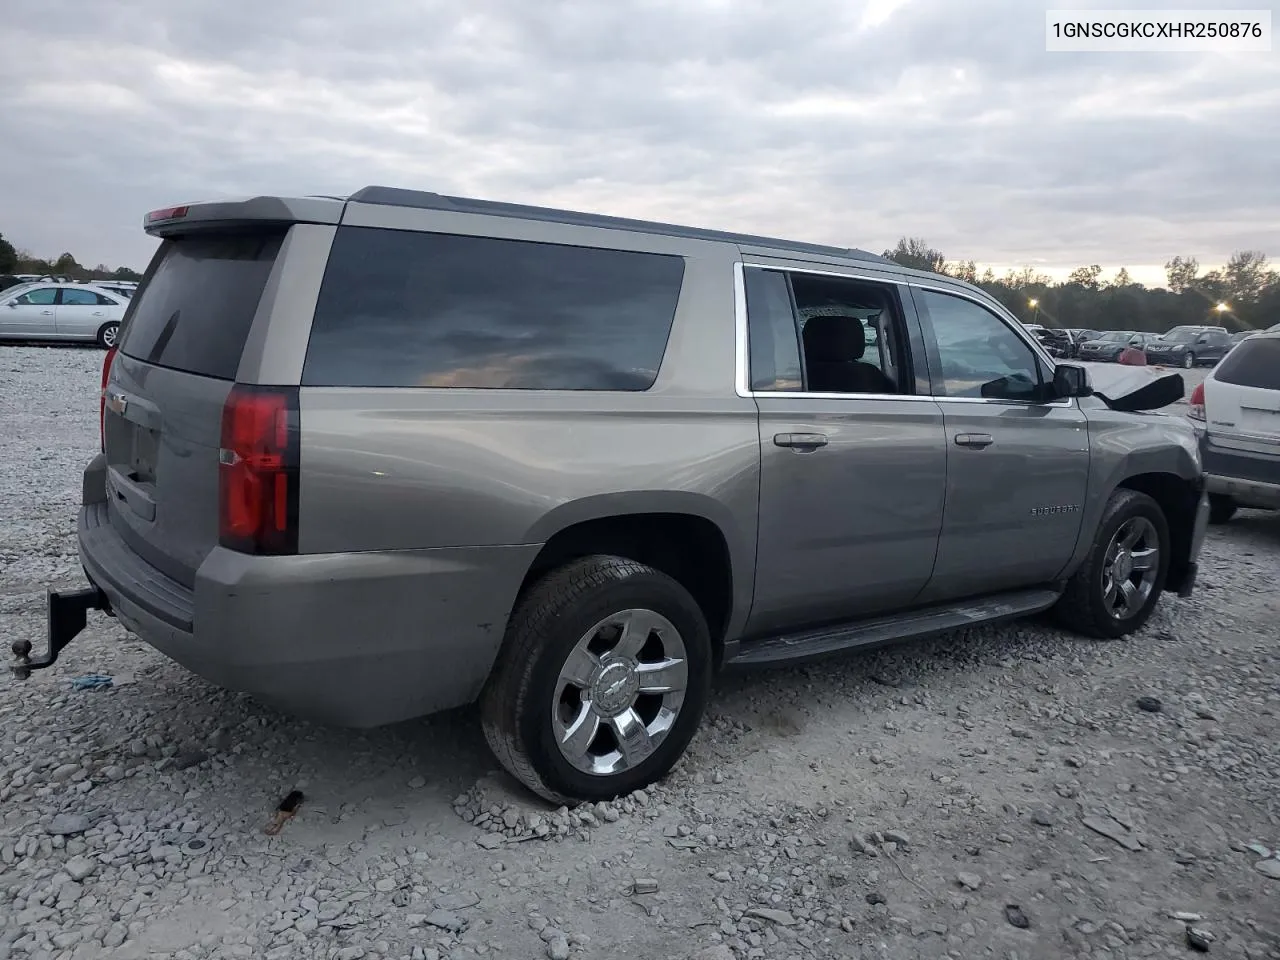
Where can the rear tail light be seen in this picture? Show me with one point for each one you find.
(102, 398)
(258, 471)
(1196, 403)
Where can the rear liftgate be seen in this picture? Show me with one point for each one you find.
(68, 614)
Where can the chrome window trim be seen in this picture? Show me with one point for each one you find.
(743, 360)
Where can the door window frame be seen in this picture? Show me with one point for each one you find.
(922, 344)
(937, 386)
(914, 361)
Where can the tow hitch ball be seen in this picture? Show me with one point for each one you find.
(68, 614)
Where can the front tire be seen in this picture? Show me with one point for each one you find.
(1221, 508)
(108, 334)
(1188, 361)
(601, 682)
(1117, 587)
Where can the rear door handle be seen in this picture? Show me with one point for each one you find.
(976, 440)
(802, 441)
(46, 313)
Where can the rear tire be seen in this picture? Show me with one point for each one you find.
(1090, 603)
(1221, 508)
(107, 335)
(582, 621)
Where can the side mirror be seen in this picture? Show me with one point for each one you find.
(1070, 380)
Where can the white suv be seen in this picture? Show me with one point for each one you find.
(1237, 414)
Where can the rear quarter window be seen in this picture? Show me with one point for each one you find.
(1253, 363)
(409, 309)
(194, 307)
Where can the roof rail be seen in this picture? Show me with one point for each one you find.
(421, 199)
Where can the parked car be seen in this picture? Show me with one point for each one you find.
(125, 290)
(374, 458)
(1058, 342)
(57, 311)
(1237, 412)
(1188, 346)
(1109, 345)
(1079, 336)
(8, 280)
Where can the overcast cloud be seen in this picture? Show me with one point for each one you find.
(844, 122)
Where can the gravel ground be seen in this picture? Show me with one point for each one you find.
(994, 793)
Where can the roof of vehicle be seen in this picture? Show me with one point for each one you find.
(424, 200)
(197, 215)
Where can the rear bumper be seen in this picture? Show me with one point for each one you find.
(1246, 471)
(360, 639)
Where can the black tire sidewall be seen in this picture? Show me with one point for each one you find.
(1138, 506)
(102, 334)
(648, 590)
(1221, 508)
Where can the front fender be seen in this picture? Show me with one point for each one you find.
(1146, 451)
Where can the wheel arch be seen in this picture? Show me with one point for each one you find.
(690, 537)
(1178, 498)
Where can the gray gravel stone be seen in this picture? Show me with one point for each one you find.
(68, 824)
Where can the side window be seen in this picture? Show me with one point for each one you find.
(105, 301)
(43, 297)
(406, 309)
(78, 298)
(773, 342)
(980, 355)
(851, 335)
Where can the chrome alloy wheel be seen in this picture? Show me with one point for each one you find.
(619, 692)
(1130, 567)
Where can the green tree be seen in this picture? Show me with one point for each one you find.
(1181, 273)
(1247, 275)
(1087, 277)
(124, 273)
(915, 253)
(1121, 279)
(8, 256)
(965, 270)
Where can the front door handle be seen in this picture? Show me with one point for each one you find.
(976, 440)
(802, 441)
(46, 313)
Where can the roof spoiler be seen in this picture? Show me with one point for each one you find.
(241, 211)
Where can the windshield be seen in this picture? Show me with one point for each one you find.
(1117, 336)
(1180, 336)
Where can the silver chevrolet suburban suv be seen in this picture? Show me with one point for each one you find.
(372, 457)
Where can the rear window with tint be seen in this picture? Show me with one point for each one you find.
(1253, 363)
(406, 309)
(196, 303)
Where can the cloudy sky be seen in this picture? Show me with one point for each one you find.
(850, 121)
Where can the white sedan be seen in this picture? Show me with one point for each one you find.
(61, 311)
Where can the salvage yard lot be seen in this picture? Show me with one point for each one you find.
(824, 811)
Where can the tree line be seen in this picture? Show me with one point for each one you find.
(13, 260)
(1243, 295)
